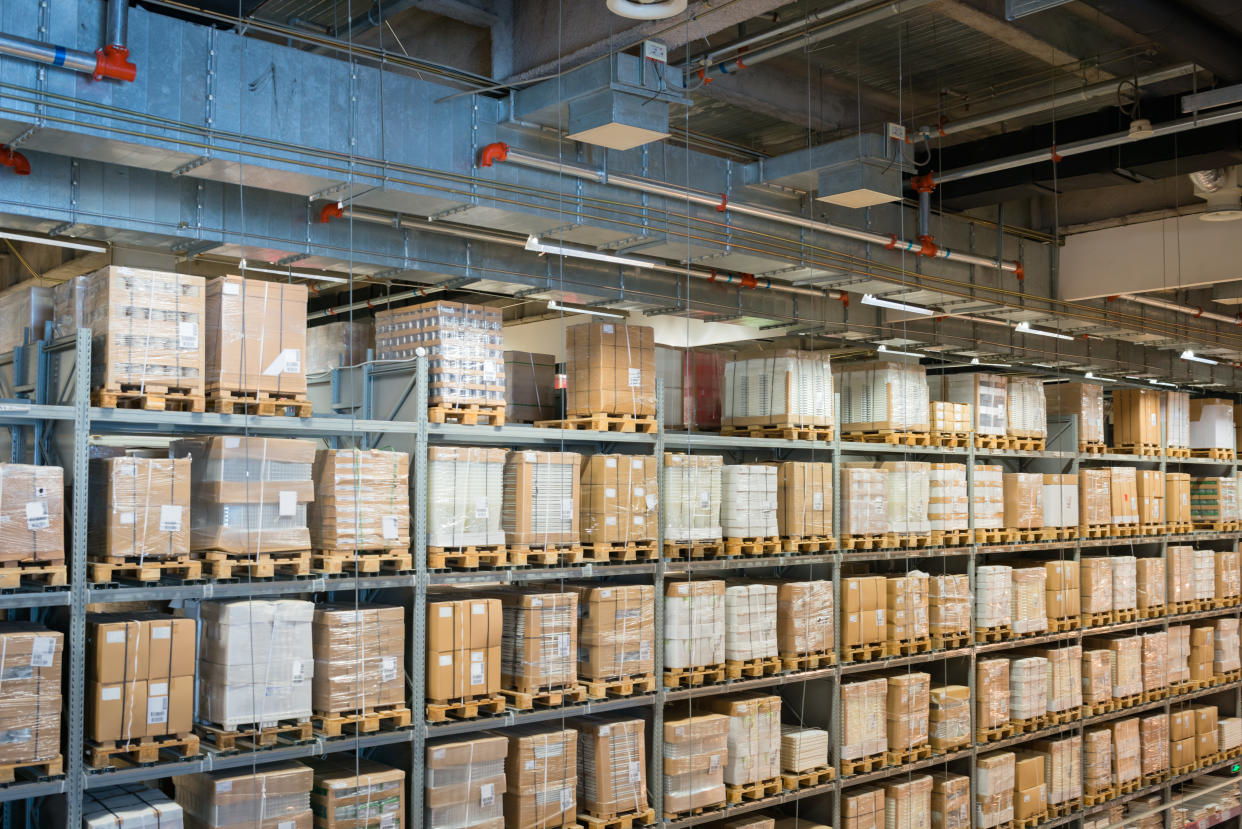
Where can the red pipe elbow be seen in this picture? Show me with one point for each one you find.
(113, 62)
(330, 211)
(12, 158)
(493, 153)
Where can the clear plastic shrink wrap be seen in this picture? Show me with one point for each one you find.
(779, 388)
(993, 596)
(1225, 647)
(750, 621)
(695, 756)
(692, 503)
(694, 623)
(351, 793)
(1062, 768)
(276, 796)
(1179, 572)
(907, 710)
(612, 764)
(1027, 408)
(32, 513)
(1154, 738)
(30, 706)
(803, 749)
(620, 498)
(541, 777)
(1213, 500)
(464, 496)
(1178, 656)
(989, 500)
(991, 693)
(948, 506)
(950, 801)
(1123, 494)
(994, 787)
(141, 507)
(883, 395)
(805, 618)
(464, 345)
(1177, 419)
(1211, 424)
(1095, 576)
(541, 497)
(754, 741)
(1094, 498)
(1097, 676)
(339, 343)
(1227, 575)
(951, 418)
(906, 496)
(359, 657)
(864, 500)
(907, 803)
(985, 393)
(906, 612)
(1203, 574)
(1024, 500)
(804, 499)
(616, 630)
(1029, 599)
(748, 501)
(1127, 750)
(1125, 582)
(949, 717)
(464, 783)
(362, 500)
(1060, 499)
(1097, 772)
(948, 611)
(1084, 400)
(539, 640)
(863, 731)
(1155, 660)
(1125, 657)
(1063, 676)
(115, 807)
(1150, 580)
(256, 335)
(1028, 687)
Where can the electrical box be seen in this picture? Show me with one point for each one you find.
(655, 50)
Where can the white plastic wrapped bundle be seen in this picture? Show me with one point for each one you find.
(1028, 687)
(863, 732)
(692, 507)
(1155, 660)
(1225, 646)
(1063, 769)
(864, 500)
(750, 621)
(989, 497)
(694, 623)
(985, 392)
(993, 596)
(887, 395)
(949, 604)
(1027, 408)
(754, 741)
(1177, 419)
(1064, 677)
(1177, 660)
(1125, 586)
(748, 501)
(803, 748)
(907, 497)
(1060, 501)
(948, 506)
(1029, 600)
(1203, 574)
(464, 496)
(785, 387)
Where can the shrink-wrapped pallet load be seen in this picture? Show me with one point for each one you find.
(1127, 750)
(1227, 575)
(907, 709)
(1125, 663)
(1151, 490)
(993, 596)
(541, 777)
(1229, 733)
(339, 344)
(950, 800)
(1202, 653)
(1211, 424)
(616, 630)
(32, 513)
(1095, 504)
(986, 394)
(1062, 589)
(948, 717)
(276, 795)
(1123, 494)
(1177, 500)
(1203, 575)
(1024, 500)
(1225, 647)
(1028, 687)
(864, 600)
(754, 737)
(1155, 660)
(1125, 582)
(883, 397)
(359, 657)
(1179, 572)
(539, 642)
(907, 803)
(465, 501)
(692, 386)
(778, 388)
(1154, 742)
(1082, 400)
(140, 507)
(612, 764)
(530, 387)
(804, 499)
(356, 793)
(1150, 581)
(803, 749)
(994, 786)
(619, 499)
(864, 500)
(362, 500)
(861, 808)
(951, 418)
(989, 497)
(255, 336)
(805, 618)
(991, 693)
(1097, 760)
(30, 709)
(692, 500)
(1029, 600)
(1026, 408)
(1178, 661)
(694, 623)
(464, 783)
(1063, 685)
(750, 621)
(863, 731)
(1176, 411)
(906, 611)
(463, 647)
(948, 604)
(748, 501)
(1213, 500)
(1136, 419)
(906, 496)
(1060, 501)
(118, 807)
(541, 497)
(464, 348)
(1030, 790)
(26, 309)
(1095, 576)
(948, 507)
(1062, 768)
(696, 754)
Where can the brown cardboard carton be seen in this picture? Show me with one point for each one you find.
(993, 789)
(539, 645)
(1227, 575)
(950, 801)
(863, 808)
(541, 771)
(1028, 803)
(261, 798)
(1083, 400)
(1096, 581)
(949, 717)
(1094, 497)
(463, 648)
(906, 710)
(256, 335)
(695, 755)
(1177, 497)
(140, 507)
(362, 500)
(1063, 604)
(804, 499)
(359, 657)
(32, 513)
(546, 513)
(610, 368)
(1181, 725)
(1097, 681)
(612, 764)
(118, 652)
(530, 387)
(799, 384)
(345, 786)
(1123, 494)
(1136, 417)
(1029, 771)
(805, 617)
(1182, 753)
(467, 771)
(1062, 574)
(1206, 745)
(619, 498)
(169, 706)
(117, 711)
(1151, 489)
(1024, 500)
(907, 803)
(1150, 582)
(992, 693)
(1154, 736)
(1205, 719)
(616, 630)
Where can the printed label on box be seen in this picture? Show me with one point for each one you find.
(187, 335)
(114, 637)
(567, 799)
(705, 499)
(288, 361)
(36, 516)
(388, 669)
(489, 371)
(125, 518)
(652, 501)
(288, 503)
(562, 644)
(161, 632)
(43, 651)
(231, 289)
(157, 710)
(487, 794)
(480, 508)
(446, 659)
(610, 520)
(610, 463)
(817, 501)
(636, 772)
(607, 328)
(170, 518)
(478, 673)
(109, 694)
(636, 377)
(297, 672)
(389, 526)
(567, 509)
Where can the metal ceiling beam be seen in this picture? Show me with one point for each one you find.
(1180, 30)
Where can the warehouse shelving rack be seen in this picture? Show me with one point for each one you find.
(62, 423)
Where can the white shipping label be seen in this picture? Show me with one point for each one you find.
(817, 501)
(714, 764)
(567, 509)
(43, 651)
(187, 335)
(531, 457)
(231, 289)
(639, 520)
(232, 443)
(607, 328)
(636, 377)
(170, 518)
(36, 516)
(389, 525)
(446, 611)
(705, 499)
(610, 520)
(288, 503)
(639, 492)
(224, 786)
(636, 772)
(388, 821)
(604, 730)
(652, 501)
(126, 518)
(478, 609)
(129, 469)
(489, 371)
(288, 361)
(610, 463)
(562, 644)
(446, 659)
(157, 710)
(287, 824)
(487, 794)
(609, 492)
(110, 694)
(530, 765)
(161, 632)
(115, 637)
(297, 672)
(478, 673)
(480, 508)
(567, 799)
(388, 669)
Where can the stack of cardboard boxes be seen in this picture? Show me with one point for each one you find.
(907, 803)
(754, 736)
(906, 606)
(1095, 574)
(948, 605)
(1177, 659)
(694, 623)
(1060, 497)
(1097, 676)
(1136, 418)
(616, 630)
(1024, 500)
(465, 783)
(356, 793)
(359, 657)
(1202, 653)
(1179, 562)
(991, 694)
(993, 596)
(949, 717)
(277, 795)
(1028, 688)
(879, 396)
(1213, 501)
(1027, 408)
(804, 499)
(256, 336)
(907, 711)
(948, 506)
(362, 500)
(864, 500)
(141, 676)
(1125, 582)
(1181, 740)
(863, 808)
(696, 754)
(950, 418)
(612, 765)
(1030, 796)
(30, 708)
(1154, 736)
(1029, 603)
(541, 498)
(1097, 769)
(1211, 424)
(906, 497)
(1176, 411)
(1094, 498)
(748, 501)
(1150, 580)
(950, 800)
(541, 771)
(463, 648)
(1064, 676)
(620, 499)
(1061, 585)
(778, 388)
(985, 393)
(539, 639)
(863, 620)
(989, 498)
(994, 787)
(1206, 737)
(805, 618)
(464, 346)
(1123, 495)
(1177, 500)
(1128, 750)
(863, 731)
(1155, 656)
(1228, 576)
(465, 486)
(140, 508)
(1062, 768)
(750, 621)
(692, 500)
(118, 807)
(1085, 401)
(803, 749)
(1225, 648)
(32, 513)
(610, 369)
(1152, 489)
(1203, 575)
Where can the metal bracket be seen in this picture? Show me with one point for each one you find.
(189, 165)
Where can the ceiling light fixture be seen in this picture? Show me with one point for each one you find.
(649, 10)
(886, 350)
(974, 361)
(1091, 376)
(1156, 382)
(56, 243)
(340, 280)
(553, 305)
(1195, 358)
(535, 246)
(1025, 328)
(880, 302)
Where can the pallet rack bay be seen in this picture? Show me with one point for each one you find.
(52, 419)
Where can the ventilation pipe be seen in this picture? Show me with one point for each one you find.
(1220, 189)
(110, 61)
(1191, 310)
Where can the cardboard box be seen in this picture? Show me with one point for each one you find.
(1179, 574)
(530, 387)
(1028, 803)
(1228, 576)
(1181, 724)
(344, 787)
(612, 764)
(362, 500)
(464, 347)
(1127, 750)
(906, 710)
(748, 499)
(804, 499)
(1123, 494)
(120, 807)
(1029, 612)
(1097, 759)
(343, 342)
(1213, 500)
(1095, 497)
(1024, 500)
(806, 619)
(948, 604)
(695, 754)
(1151, 489)
(541, 497)
(140, 507)
(541, 771)
(803, 749)
(616, 630)
(539, 644)
(1097, 676)
(1082, 400)
(907, 803)
(256, 335)
(1182, 753)
(989, 499)
(883, 395)
(619, 499)
(863, 731)
(948, 507)
(1060, 501)
(950, 801)
(864, 500)
(359, 657)
(906, 610)
(1177, 497)
(1096, 580)
(949, 717)
(782, 387)
(1026, 408)
(950, 418)
(1136, 417)
(863, 620)
(694, 623)
(994, 789)
(993, 606)
(1063, 688)
(465, 496)
(1062, 767)
(863, 808)
(466, 773)
(1150, 581)
(992, 693)
(1154, 736)
(610, 368)
(692, 497)
(754, 738)
(264, 798)
(1206, 745)
(987, 394)
(32, 513)
(1211, 424)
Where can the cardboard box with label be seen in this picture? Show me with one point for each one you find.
(906, 710)
(1177, 497)
(948, 506)
(464, 782)
(1082, 400)
(863, 808)
(463, 647)
(359, 657)
(1094, 497)
(754, 740)
(993, 596)
(1062, 588)
(987, 395)
(1154, 737)
(949, 717)
(275, 796)
(695, 755)
(32, 513)
(782, 387)
(994, 788)
(948, 604)
(465, 486)
(906, 610)
(694, 623)
(612, 764)
(1213, 501)
(863, 707)
(992, 693)
(140, 507)
(750, 621)
(907, 803)
(541, 498)
(256, 335)
(1136, 418)
(883, 395)
(804, 499)
(610, 368)
(1024, 500)
(539, 642)
(616, 630)
(351, 793)
(863, 616)
(362, 500)
(30, 708)
(542, 777)
(950, 800)
(989, 499)
(140, 675)
(620, 499)
(864, 500)
(463, 343)
(1097, 759)
(805, 618)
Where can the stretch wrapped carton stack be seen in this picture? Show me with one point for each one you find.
(1154, 738)
(1125, 582)
(256, 661)
(465, 783)
(863, 808)
(1062, 767)
(994, 787)
(530, 387)
(337, 344)
(863, 617)
(1213, 500)
(250, 494)
(351, 793)
(986, 394)
(277, 796)
(778, 388)
(141, 507)
(26, 309)
(1063, 685)
(950, 418)
(1149, 580)
(754, 737)
(1211, 424)
(463, 647)
(696, 754)
(1127, 750)
(692, 503)
(359, 657)
(1202, 652)
(541, 777)
(140, 677)
(989, 500)
(1083, 400)
(1027, 408)
(464, 346)
(907, 710)
(620, 498)
(948, 506)
(1151, 489)
(1229, 733)
(465, 486)
(993, 596)
(1206, 739)
(804, 499)
(805, 618)
(991, 693)
(1095, 574)
(1123, 494)
(30, 709)
(1095, 505)
(906, 614)
(1125, 662)
(32, 513)
(612, 765)
(539, 639)
(1181, 738)
(1097, 771)
(1203, 575)
(68, 309)
(1225, 653)
(1060, 500)
(694, 623)
(950, 800)
(1097, 676)
(616, 630)
(1179, 574)
(1155, 655)
(147, 329)
(906, 496)
(1136, 418)
(948, 604)
(907, 803)
(362, 500)
(883, 396)
(1024, 500)
(542, 494)
(864, 500)
(1177, 497)
(1228, 577)
(118, 807)
(948, 717)
(1028, 687)
(256, 335)
(748, 501)
(1030, 788)
(692, 386)
(1029, 599)
(750, 621)
(1062, 586)
(863, 732)
(803, 749)
(1178, 660)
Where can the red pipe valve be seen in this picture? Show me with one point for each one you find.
(493, 153)
(113, 62)
(923, 183)
(330, 211)
(10, 157)
(928, 247)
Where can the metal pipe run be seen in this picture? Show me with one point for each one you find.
(111, 61)
(1190, 310)
(501, 152)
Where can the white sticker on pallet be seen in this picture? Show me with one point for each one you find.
(288, 503)
(170, 518)
(36, 516)
(389, 525)
(43, 652)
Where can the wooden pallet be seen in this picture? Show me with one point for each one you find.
(1030, 822)
(698, 811)
(950, 440)
(1027, 444)
(466, 709)
(626, 686)
(1226, 602)
(467, 414)
(1127, 701)
(363, 722)
(1155, 777)
(1061, 533)
(949, 641)
(991, 442)
(950, 538)
(752, 546)
(1128, 614)
(890, 437)
(695, 676)
(469, 557)
(141, 752)
(996, 634)
(263, 403)
(782, 431)
(808, 661)
(1153, 529)
(1069, 715)
(1028, 725)
(336, 562)
(1092, 447)
(550, 555)
(1142, 450)
(151, 398)
(1186, 686)
(1122, 530)
(222, 565)
(184, 568)
(1099, 796)
(757, 790)
(627, 820)
(1153, 612)
(1214, 454)
(546, 698)
(1094, 530)
(908, 647)
(607, 551)
(44, 770)
(1017, 536)
(910, 755)
(1133, 785)
(863, 542)
(1216, 526)
(949, 748)
(907, 541)
(1068, 807)
(1064, 625)
(864, 765)
(1177, 451)
(808, 544)
(991, 735)
(285, 732)
(862, 653)
(1095, 620)
(991, 536)
(644, 424)
(1155, 694)
(1180, 527)
(16, 574)
(688, 550)
(753, 668)
(1095, 709)
(806, 779)
(1227, 677)
(1210, 760)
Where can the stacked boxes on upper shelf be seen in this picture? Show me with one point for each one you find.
(256, 341)
(883, 397)
(778, 389)
(610, 368)
(362, 503)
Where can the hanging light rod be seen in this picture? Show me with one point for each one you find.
(533, 244)
(1025, 328)
(339, 280)
(1091, 376)
(553, 305)
(56, 243)
(886, 350)
(880, 302)
(1195, 358)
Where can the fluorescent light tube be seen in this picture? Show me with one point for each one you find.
(1025, 328)
(885, 350)
(872, 299)
(1155, 382)
(553, 305)
(1195, 358)
(1091, 376)
(56, 243)
(534, 245)
(974, 361)
(340, 280)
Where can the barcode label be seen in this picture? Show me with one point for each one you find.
(170, 518)
(43, 652)
(389, 525)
